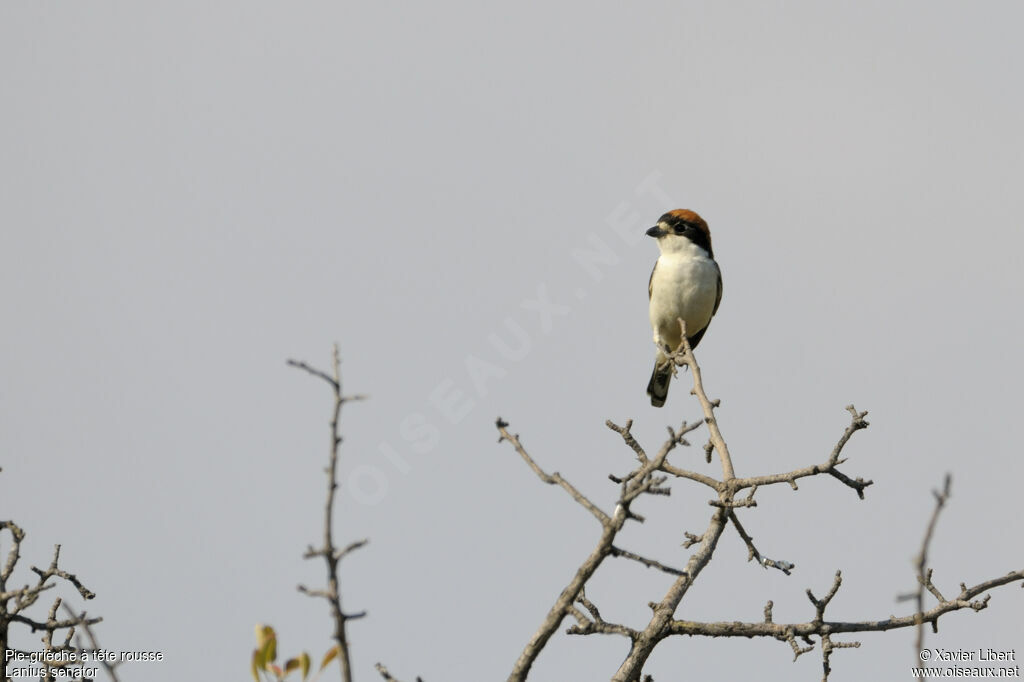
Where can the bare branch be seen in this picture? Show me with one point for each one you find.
(645, 479)
(342, 553)
(798, 650)
(924, 574)
(601, 628)
(384, 673)
(685, 356)
(315, 372)
(827, 647)
(828, 467)
(595, 625)
(691, 539)
(564, 603)
(733, 504)
(692, 475)
(322, 594)
(14, 603)
(631, 486)
(821, 604)
(752, 553)
(53, 571)
(85, 623)
(628, 438)
(379, 667)
(550, 479)
(638, 476)
(649, 563)
(591, 608)
(17, 535)
(658, 627)
(330, 553)
(819, 627)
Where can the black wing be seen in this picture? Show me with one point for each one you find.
(718, 297)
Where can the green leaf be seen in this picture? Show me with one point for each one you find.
(270, 650)
(263, 633)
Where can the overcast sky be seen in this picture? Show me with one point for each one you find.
(193, 192)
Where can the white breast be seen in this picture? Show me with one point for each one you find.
(684, 285)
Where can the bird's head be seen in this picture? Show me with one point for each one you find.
(678, 229)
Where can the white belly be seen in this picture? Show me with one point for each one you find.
(684, 288)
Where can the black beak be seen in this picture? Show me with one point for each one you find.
(655, 232)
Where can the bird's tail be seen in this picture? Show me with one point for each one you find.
(658, 386)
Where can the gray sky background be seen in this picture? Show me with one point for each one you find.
(192, 193)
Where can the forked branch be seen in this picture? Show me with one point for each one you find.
(650, 475)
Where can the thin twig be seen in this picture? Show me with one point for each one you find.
(752, 553)
(924, 574)
(964, 600)
(551, 479)
(387, 675)
(649, 563)
(94, 646)
(329, 551)
(685, 356)
(857, 423)
(624, 431)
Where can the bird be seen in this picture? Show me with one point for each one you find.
(686, 283)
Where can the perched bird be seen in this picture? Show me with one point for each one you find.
(685, 284)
